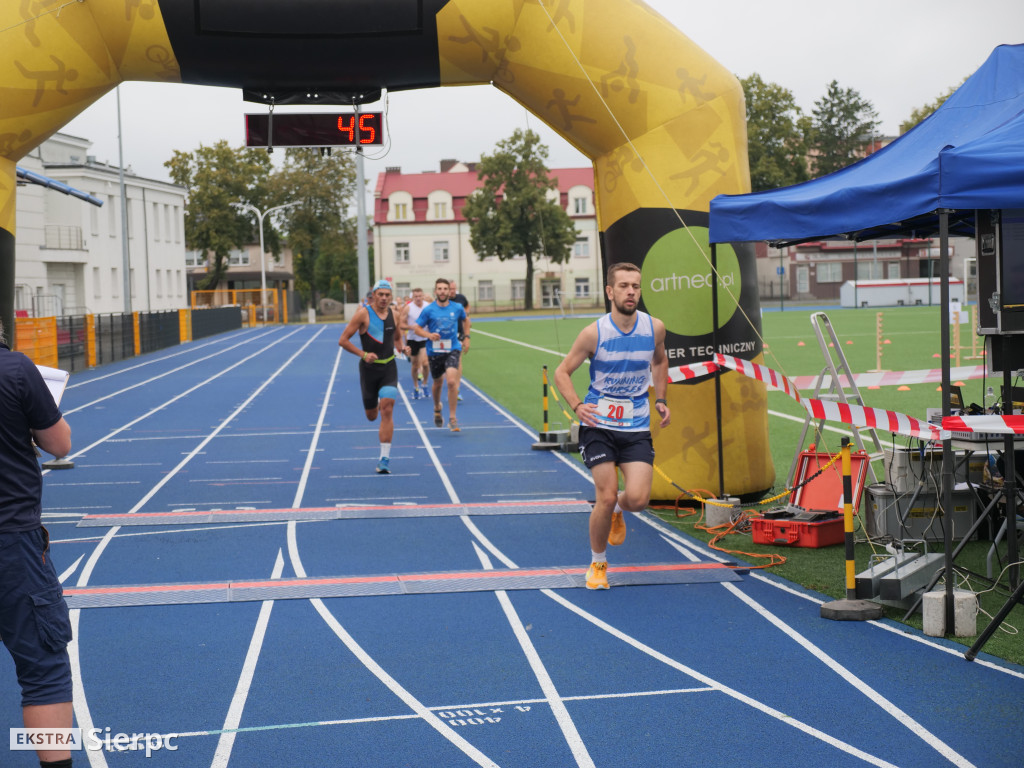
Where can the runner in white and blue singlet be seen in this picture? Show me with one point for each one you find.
(627, 356)
(620, 374)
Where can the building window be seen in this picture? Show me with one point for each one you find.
(177, 281)
(519, 289)
(485, 290)
(167, 222)
(892, 270)
(195, 258)
(177, 225)
(869, 270)
(401, 253)
(579, 205)
(115, 284)
(159, 284)
(402, 290)
(581, 248)
(237, 257)
(441, 251)
(440, 210)
(401, 211)
(582, 287)
(830, 272)
(156, 221)
(97, 291)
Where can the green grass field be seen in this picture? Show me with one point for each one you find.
(508, 356)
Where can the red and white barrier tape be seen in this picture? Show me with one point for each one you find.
(1000, 425)
(773, 379)
(893, 378)
(874, 418)
(847, 413)
(692, 371)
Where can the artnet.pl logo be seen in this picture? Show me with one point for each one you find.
(94, 740)
(678, 280)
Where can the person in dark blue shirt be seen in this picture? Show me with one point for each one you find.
(34, 621)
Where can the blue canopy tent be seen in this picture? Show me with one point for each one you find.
(968, 155)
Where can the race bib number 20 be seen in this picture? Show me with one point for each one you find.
(614, 412)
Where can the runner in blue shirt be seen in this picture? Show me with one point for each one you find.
(439, 323)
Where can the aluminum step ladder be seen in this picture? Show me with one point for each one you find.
(836, 365)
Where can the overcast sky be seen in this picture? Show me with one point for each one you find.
(898, 55)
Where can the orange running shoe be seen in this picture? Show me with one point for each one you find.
(617, 534)
(597, 576)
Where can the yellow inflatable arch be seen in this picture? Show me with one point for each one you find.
(662, 122)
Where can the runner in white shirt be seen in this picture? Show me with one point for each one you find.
(416, 344)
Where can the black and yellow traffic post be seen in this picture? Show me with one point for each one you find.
(548, 440)
(849, 609)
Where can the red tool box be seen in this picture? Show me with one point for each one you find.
(814, 516)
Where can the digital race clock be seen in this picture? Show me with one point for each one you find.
(318, 129)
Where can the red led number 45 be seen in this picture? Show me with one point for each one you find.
(364, 124)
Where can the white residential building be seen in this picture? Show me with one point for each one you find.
(68, 253)
(420, 234)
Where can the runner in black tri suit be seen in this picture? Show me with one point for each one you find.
(380, 337)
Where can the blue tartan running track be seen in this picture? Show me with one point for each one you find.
(247, 591)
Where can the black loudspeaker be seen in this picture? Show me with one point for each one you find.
(1000, 251)
(1004, 353)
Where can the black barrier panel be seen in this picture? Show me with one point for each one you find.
(115, 338)
(207, 322)
(158, 330)
(71, 343)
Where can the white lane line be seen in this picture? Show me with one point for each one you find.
(70, 569)
(851, 679)
(574, 465)
(160, 359)
(158, 376)
(83, 580)
(179, 396)
(378, 671)
(671, 535)
(311, 451)
(731, 692)
(226, 742)
(677, 665)
(80, 702)
(83, 717)
(447, 708)
(547, 685)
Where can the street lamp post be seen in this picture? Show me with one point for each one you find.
(260, 215)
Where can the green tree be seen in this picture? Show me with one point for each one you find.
(322, 237)
(776, 135)
(920, 113)
(511, 215)
(842, 126)
(215, 176)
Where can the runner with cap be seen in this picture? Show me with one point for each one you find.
(380, 337)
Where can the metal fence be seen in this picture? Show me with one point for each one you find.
(115, 337)
(71, 343)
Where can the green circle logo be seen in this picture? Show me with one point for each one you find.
(677, 280)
